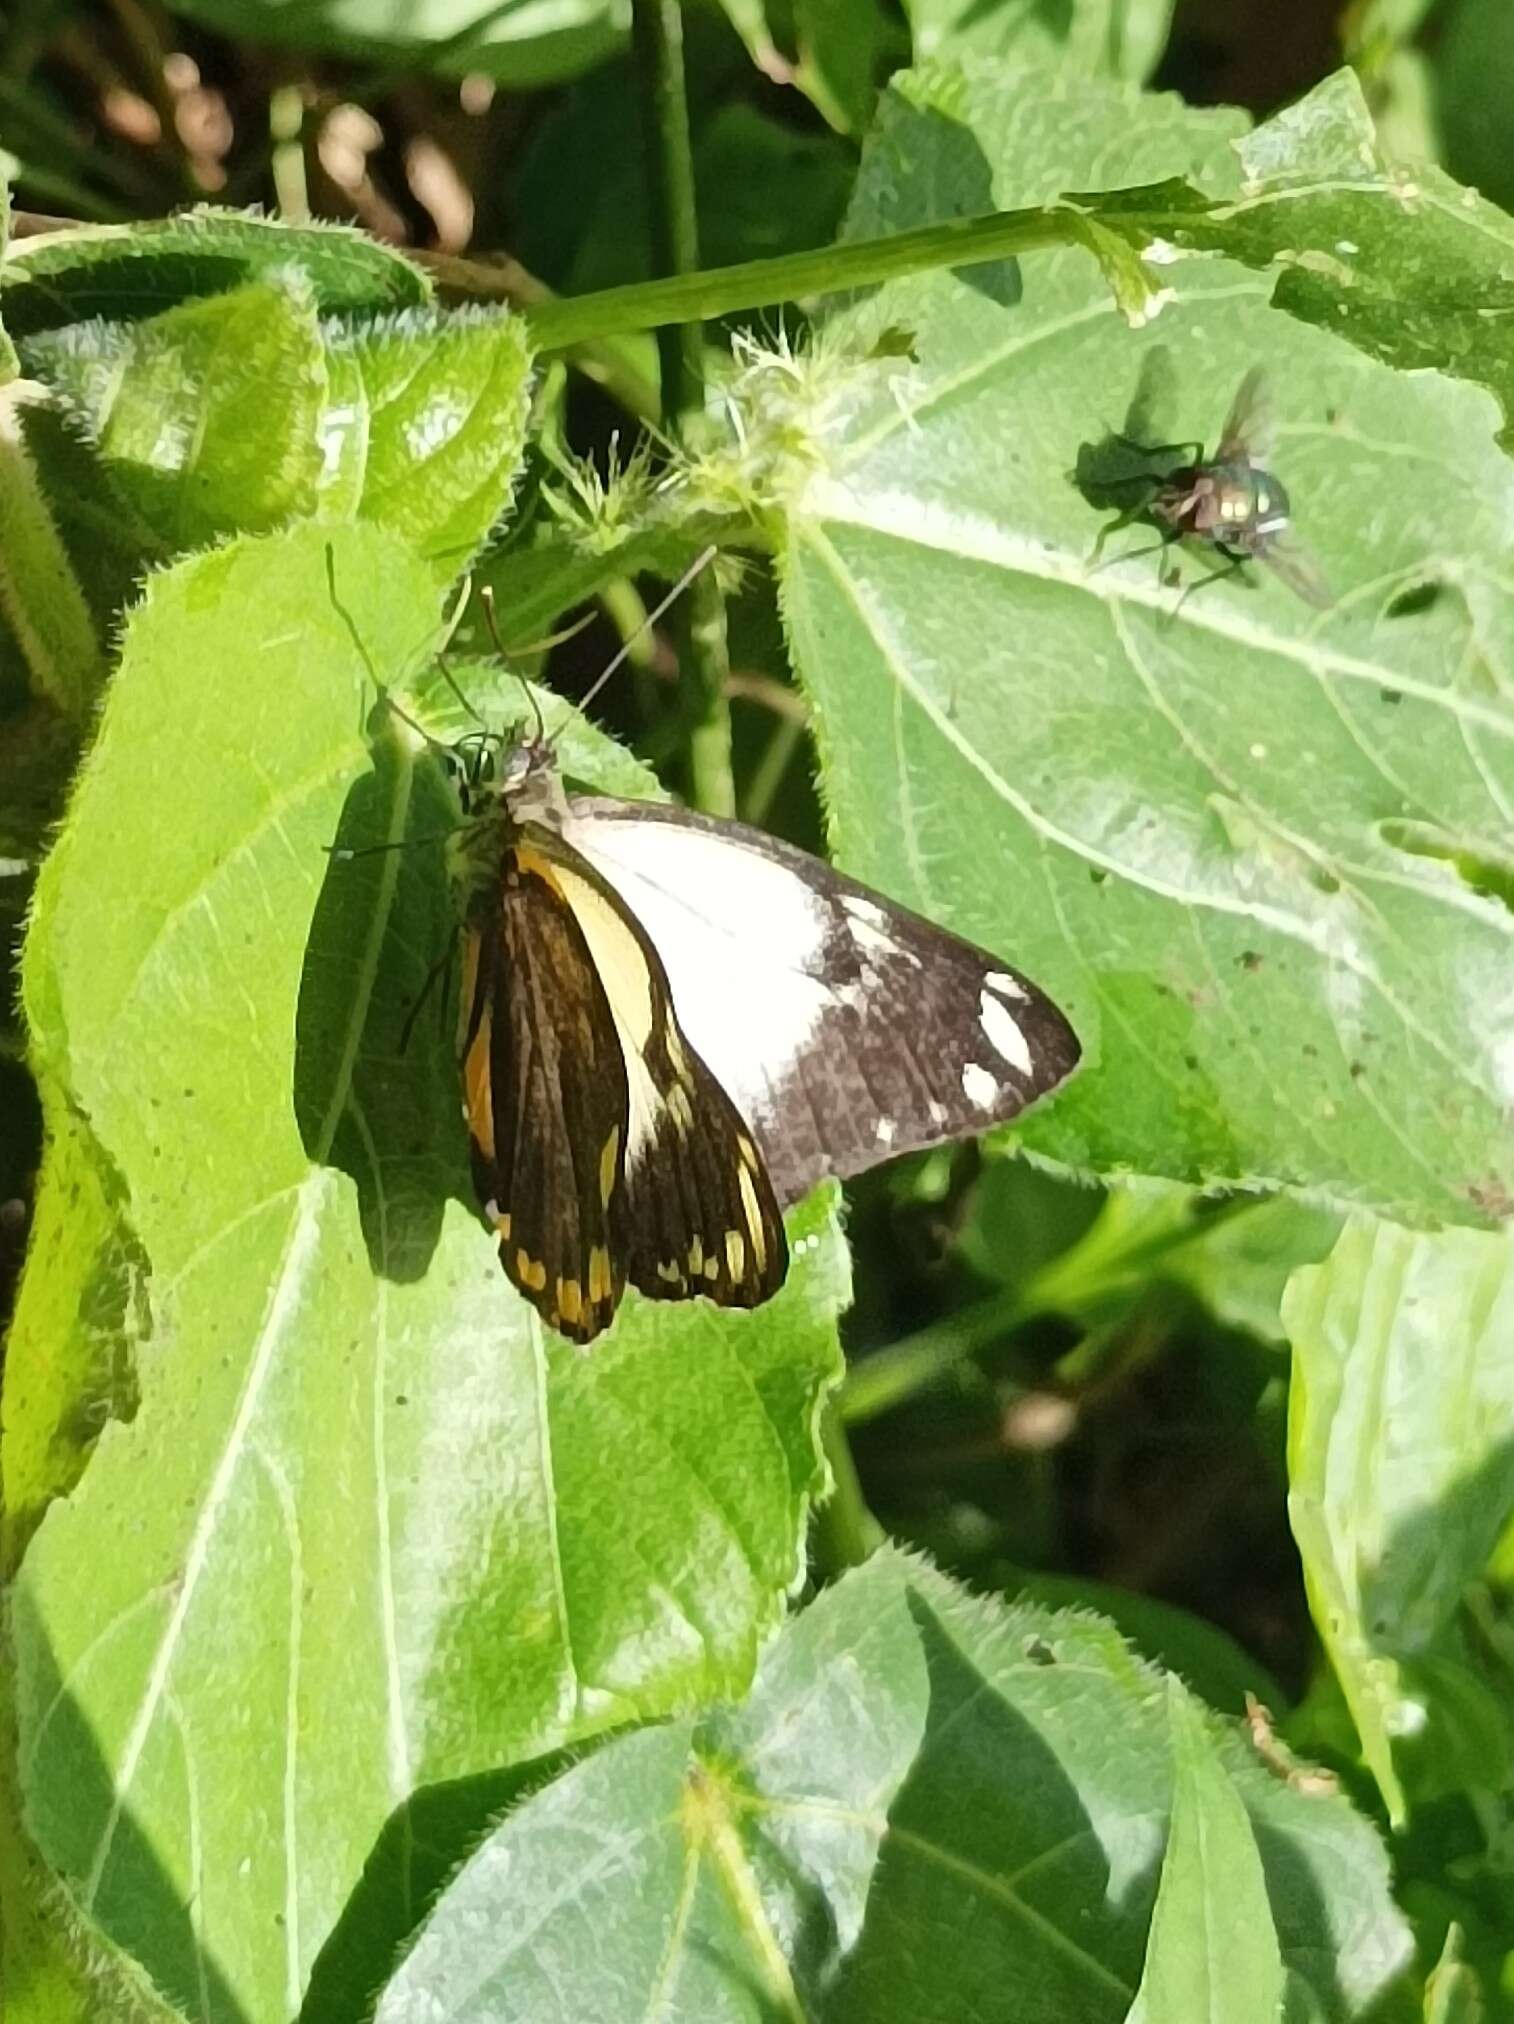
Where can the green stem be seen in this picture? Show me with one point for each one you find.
(657, 38)
(890, 1376)
(712, 784)
(755, 284)
(846, 1532)
(767, 778)
(704, 662)
(1110, 1259)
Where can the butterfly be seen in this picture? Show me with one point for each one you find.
(672, 1026)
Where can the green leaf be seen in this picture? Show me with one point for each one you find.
(1472, 77)
(767, 188)
(1211, 1663)
(10, 365)
(51, 636)
(68, 1359)
(1249, 848)
(1403, 262)
(206, 416)
(912, 1763)
(1239, 1263)
(518, 42)
(1401, 1467)
(423, 427)
(1212, 1957)
(1094, 38)
(133, 271)
(840, 43)
(367, 1529)
(1453, 1994)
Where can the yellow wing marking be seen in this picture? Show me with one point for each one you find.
(753, 1209)
(627, 984)
(531, 1272)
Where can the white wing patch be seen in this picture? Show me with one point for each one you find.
(1006, 986)
(1003, 1033)
(738, 934)
(978, 1086)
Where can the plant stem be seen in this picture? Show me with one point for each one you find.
(846, 1532)
(704, 662)
(894, 1374)
(657, 39)
(755, 284)
(612, 365)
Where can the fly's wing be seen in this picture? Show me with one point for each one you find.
(843, 1028)
(1292, 563)
(687, 1199)
(545, 1097)
(1250, 429)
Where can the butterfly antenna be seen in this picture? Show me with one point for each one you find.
(436, 744)
(486, 599)
(627, 646)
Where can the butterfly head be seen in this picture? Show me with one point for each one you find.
(504, 781)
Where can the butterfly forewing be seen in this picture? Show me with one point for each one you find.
(544, 1091)
(603, 1148)
(695, 1211)
(841, 1028)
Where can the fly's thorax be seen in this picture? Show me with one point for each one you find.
(1272, 511)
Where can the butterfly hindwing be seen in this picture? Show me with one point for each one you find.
(843, 1028)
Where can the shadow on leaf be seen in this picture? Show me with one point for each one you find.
(74, 1810)
(375, 1081)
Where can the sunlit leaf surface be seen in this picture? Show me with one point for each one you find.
(1401, 1473)
(913, 1765)
(1256, 850)
(367, 1528)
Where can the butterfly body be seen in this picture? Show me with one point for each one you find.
(672, 1027)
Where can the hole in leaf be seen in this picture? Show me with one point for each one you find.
(1419, 597)
(1483, 872)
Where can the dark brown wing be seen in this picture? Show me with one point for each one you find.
(696, 1212)
(544, 1093)
(604, 1151)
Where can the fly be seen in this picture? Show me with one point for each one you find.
(1230, 501)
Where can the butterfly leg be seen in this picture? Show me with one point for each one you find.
(441, 968)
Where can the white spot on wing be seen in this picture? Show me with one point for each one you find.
(978, 1086)
(872, 932)
(1003, 1034)
(1006, 986)
(937, 1113)
(883, 1131)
